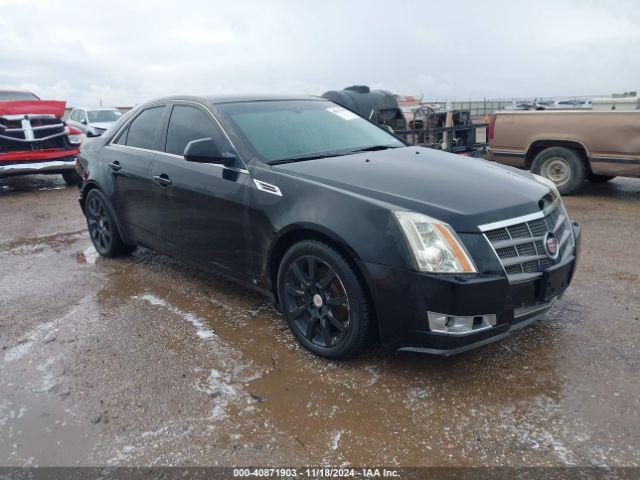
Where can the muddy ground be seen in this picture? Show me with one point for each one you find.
(142, 361)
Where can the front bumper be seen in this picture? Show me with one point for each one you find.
(57, 165)
(403, 299)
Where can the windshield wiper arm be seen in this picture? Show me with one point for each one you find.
(372, 148)
(302, 159)
(327, 155)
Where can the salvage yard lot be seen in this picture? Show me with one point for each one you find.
(143, 361)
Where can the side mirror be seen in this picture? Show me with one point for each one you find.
(206, 150)
(83, 121)
(388, 129)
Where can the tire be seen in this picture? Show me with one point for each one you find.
(328, 311)
(71, 177)
(102, 226)
(593, 178)
(562, 166)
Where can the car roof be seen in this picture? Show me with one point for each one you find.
(218, 99)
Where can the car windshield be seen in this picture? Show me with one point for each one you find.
(289, 130)
(99, 116)
(10, 96)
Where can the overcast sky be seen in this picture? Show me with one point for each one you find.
(125, 52)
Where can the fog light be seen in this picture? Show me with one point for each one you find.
(460, 325)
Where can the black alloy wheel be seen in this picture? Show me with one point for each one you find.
(323, 301)
(102, 227)
(317, 301)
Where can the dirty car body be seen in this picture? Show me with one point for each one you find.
(33, 136)
(451, 252)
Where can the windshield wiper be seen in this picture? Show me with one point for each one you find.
(302, 159)
(372, 148)
(327, 155)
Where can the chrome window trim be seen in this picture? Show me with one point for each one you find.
(164, 103)
(234, 169)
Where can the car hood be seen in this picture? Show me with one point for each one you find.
(462, 191)
(33, 107)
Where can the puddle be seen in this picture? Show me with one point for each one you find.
(143, 361)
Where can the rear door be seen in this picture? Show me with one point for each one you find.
(200, 207)
(129, 161)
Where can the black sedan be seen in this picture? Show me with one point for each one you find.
(354, 234)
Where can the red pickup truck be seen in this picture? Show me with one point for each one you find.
(34, 138)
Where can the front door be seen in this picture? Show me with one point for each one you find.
(200, 207)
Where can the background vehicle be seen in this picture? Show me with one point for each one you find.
(541, 104)
(568, 147)
(426, 125)
(34, 138)
(572, 104)
(352, 232)
(93, 122)
(518, 106)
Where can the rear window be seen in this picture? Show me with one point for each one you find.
(143, 128)
(9, 96)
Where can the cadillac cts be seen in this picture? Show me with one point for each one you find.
(354, 234)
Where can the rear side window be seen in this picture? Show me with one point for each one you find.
(143, 128)
(189, 123)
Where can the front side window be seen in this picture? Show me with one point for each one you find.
(143, 128)
(294, 129)
(189, 123)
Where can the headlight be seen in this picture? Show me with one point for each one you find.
(548, 183)
(75, 139)
(434, 244)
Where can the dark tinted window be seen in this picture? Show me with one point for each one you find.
(143, 129)
(8, 96)
(188, 124)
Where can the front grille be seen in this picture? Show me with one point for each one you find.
(520, 244)
(27, 128)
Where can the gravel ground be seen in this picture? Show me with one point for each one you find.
(143, 361)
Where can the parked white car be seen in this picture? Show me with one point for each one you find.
(93, 122)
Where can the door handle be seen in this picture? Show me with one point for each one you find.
(162, 180)
(115, 166)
